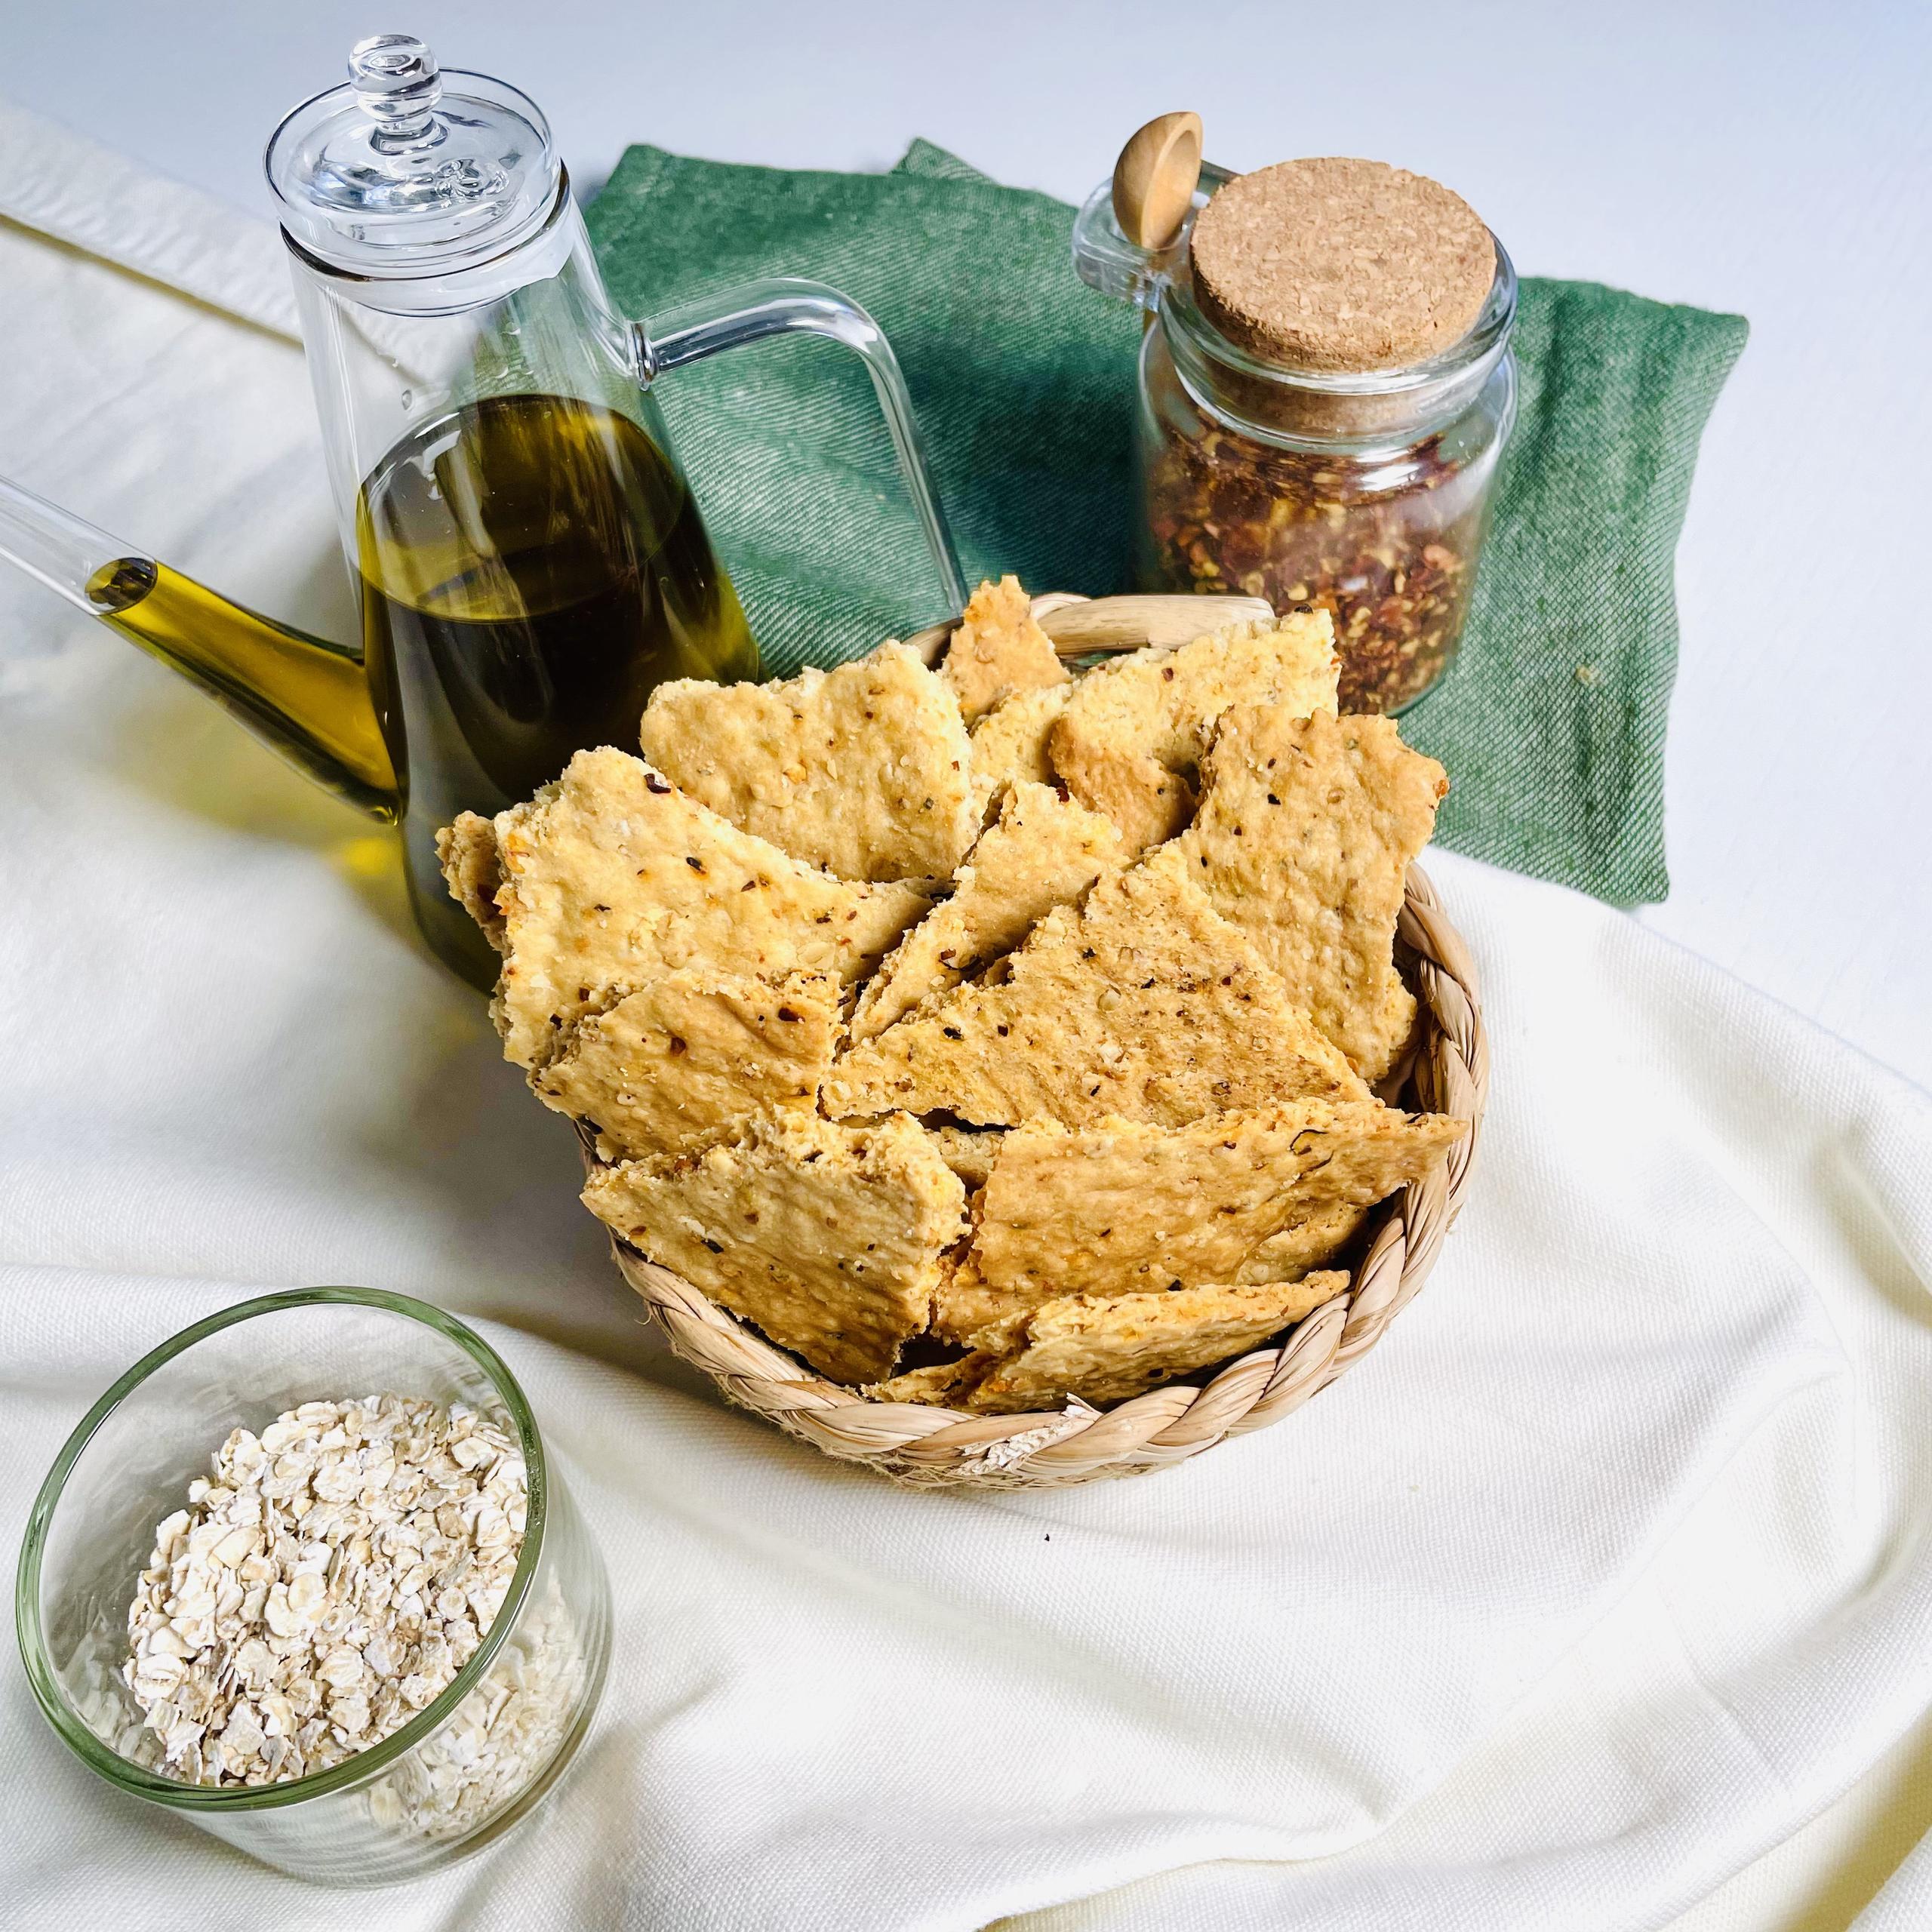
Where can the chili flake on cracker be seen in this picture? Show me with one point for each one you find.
(831, 1238)
(862, 770)
(1303, 839)
(1143, 1003)
(998, 649)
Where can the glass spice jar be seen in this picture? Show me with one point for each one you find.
(1364, 490)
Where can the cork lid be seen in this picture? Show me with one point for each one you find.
(1341, 265)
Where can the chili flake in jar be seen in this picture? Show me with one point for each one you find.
(1387, 542)
(1326, 385)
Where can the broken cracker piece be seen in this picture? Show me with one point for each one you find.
(612, 876)
(862, 770)
(965, 1309)
(998, 649)
(1143, 1003)
(831, 1238)
(1303, 1244)
(1042, 851)
(1303, 838)
(945, 1385)
(1132, 732)
(1008, 744)
(692, 1057)
(1106, 1348)
(1127, 1206)
(967, 1151)
(473, 868)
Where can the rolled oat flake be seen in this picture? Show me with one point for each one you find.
(324, 1583)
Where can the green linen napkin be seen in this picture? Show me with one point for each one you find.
(1551, 724)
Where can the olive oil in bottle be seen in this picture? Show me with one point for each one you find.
(304, 697)
(532, 568)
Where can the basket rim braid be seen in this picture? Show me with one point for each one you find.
(927, 1447)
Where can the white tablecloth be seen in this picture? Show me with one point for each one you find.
(1606, 1572)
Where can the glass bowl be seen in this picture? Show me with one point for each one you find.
(468, 1765)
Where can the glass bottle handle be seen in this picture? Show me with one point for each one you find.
(787, 305)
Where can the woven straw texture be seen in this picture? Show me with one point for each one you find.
(932, 1447)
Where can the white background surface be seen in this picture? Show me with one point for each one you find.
(1763, 160)
(1772, 160)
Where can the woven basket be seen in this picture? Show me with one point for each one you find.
(931, 1447)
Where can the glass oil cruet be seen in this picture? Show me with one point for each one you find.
(528, 560)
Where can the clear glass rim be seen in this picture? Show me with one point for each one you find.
(118, 1770)
(450, 272)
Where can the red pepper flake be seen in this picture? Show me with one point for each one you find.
(1387, 544)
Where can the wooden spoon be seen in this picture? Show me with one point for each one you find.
(1155, 179)
(1080, 626)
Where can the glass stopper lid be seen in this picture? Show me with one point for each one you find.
(392, 175)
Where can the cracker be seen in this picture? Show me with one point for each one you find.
(1142, 1003)
(1106, 1348)
(473, 868)
(1133, 732)
(944, 1385)
(692, 1057)
(612, 877)
(1303, 1244)
(1126, 1206)
(1303, 839)
(965, 1308)
(1008, 744)
(998, 649)
(967, 1151)
(831, 1238)
(862, 770)
(1042, 851)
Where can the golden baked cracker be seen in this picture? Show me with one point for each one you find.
(1303, 1244)
(964, 1309)
(1008, 744)
(1303, 839)
(1126, 1206)
(1042, 851)
(612, 876)
(862, 770)
(1104, 1349)
(945, 1385)
(467, 852)
(998, 649)
(1147, 800)
(1133, 732)
(831, 1238)
(1142, 1003)
(691, 1057)
(967, 1151)
(967, 1310)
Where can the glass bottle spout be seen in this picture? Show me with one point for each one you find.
(304, 697)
